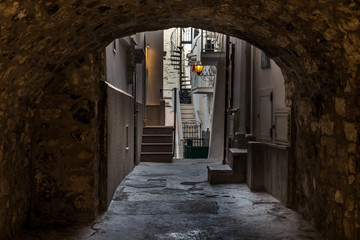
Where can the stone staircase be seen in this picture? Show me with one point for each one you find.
(187, 112)
(233, 172)
(157, 144)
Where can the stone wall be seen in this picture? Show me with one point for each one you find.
(315, 43)
(64, 149)
(327, 153)
(16, 111)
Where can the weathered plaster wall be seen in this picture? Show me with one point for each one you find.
(154, 66)
(120, 139)
(120, 71)
(315, 43)
(171, 78)
(216, 143)
(266, 78)
(241, 74)
(64, 147)
(117, 66)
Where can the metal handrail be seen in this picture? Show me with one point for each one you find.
(213, 41)
(178, 128)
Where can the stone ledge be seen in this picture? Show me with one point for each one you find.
(237, 151)
(220, 168)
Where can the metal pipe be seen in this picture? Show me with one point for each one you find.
(251, 89)
(135, 115)
(175, 117)
(227, 75)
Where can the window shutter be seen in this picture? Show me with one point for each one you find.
(265, 114)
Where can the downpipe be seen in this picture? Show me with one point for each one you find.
(227, 75)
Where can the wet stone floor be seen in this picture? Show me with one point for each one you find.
(175, 201)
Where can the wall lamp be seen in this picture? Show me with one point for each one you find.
(198, 67)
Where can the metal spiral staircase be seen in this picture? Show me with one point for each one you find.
(179, 37)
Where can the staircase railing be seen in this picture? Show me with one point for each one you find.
(212, 41)
(187, 35)
(174, 39)
(206, 79)
(179, 37)
(178, 140)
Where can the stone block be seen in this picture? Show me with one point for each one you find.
(340, 106)
(255, 166)
(350, 131)
(238, 159)
(221, 174)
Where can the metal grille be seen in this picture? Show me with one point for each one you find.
(192, 129)
(194, 143)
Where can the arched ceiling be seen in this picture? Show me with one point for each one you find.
(308, 39)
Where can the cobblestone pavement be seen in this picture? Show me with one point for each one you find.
(175, 201)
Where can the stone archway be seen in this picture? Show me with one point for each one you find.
(49, 73)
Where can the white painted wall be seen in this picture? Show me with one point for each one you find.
(171, 79)
(217, 123)
(268, 78)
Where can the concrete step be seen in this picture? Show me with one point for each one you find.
(156, 147)
(187, 115)
(187, 111)
(186, 106)
(157, 138)
(158, 130)
(222, 174)
(156, 157)
(184, 119)
(237, 161)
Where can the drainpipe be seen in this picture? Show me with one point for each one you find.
(135, 118)
(227, 75)
(175, 117)
(134, 77)
(251, 90)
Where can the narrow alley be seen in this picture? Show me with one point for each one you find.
(175, 201)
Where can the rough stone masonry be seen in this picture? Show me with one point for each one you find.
(49, 97)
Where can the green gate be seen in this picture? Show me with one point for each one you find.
(193, 142)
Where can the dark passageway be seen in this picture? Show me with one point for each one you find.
(53, 155)
(175, 201)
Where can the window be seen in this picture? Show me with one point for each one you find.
(282, 126)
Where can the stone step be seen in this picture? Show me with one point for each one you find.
(186, 106)
(156, 147)
(158, 130)
(222, 174)
(187, 111)
(187, 116)
(237, 159)
(165, 157)
(157, 138)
